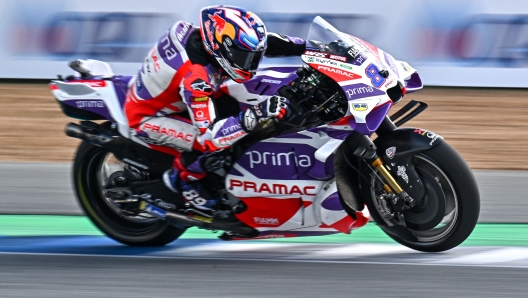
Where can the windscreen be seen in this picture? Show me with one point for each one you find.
(324, 37)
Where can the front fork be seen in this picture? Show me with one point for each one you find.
(396, 199)
(392, 185)
(395, 196)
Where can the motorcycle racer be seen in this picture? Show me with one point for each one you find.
(171, 104)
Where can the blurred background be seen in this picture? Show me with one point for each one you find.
(472, 56)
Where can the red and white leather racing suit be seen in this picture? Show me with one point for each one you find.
(170, 106)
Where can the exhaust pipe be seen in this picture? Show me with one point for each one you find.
(235, 227)
(88, 131)
(74, 130)
(177, 218)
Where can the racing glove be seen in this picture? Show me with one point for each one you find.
(274, 107)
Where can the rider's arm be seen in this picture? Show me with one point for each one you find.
(280, 45)
(215, 134)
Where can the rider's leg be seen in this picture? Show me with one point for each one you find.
(185, 178)
(175, 135)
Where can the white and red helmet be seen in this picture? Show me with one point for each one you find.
(235, 37)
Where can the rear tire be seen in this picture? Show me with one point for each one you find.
(459, 190)
(133, 231)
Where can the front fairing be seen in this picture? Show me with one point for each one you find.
(363, 71)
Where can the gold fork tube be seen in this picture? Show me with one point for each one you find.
(378, 164)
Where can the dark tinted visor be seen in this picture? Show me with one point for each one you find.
(246, 60)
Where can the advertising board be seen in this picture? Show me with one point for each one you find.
(451, 43)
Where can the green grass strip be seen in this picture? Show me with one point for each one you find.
(48, 225)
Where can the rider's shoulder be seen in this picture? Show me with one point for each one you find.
(181, 31)
(196, 79)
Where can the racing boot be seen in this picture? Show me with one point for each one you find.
(186, 181)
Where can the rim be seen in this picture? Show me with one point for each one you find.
(109, 165)
(450, 217)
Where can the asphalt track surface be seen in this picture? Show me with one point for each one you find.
(91, 265)
(97, 276)
(98, 267)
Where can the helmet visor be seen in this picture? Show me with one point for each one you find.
(246, 60)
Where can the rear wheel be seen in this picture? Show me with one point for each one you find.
(93, 168)
(452, 202)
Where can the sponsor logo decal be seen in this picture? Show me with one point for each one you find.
(257, 111)
(228, 68)
(342, 73)
(250, 120)
(81, 104)
(326, 61)
(273, 236)
(139, 85)
(390, 152)
(199, 99)
(402, 172)
(198, 105)
(168, 48)
(199, 116)
(354, 52)
(273, 188)
(92, 83)
(169, 132)
(337, 57)
(231, 129)
(428, 134)
(360, 107)
(359, 60)
(181, 33)
(152, 210)
(361, 91)
(278, 159)
(316, 54)
(218, 22)
(155, 63)
(344, 65)
(228, 41)
(209, 34)
(271, 81)
(266, 221)
(161, 203)
(201, 85)
(224, 141)
(250, 19)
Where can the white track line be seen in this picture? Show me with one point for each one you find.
(235, 248)
(355, 251)
(498, 255)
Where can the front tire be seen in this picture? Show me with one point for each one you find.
(456, 187)
(89, 168)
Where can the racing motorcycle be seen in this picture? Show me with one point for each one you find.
(337, 159)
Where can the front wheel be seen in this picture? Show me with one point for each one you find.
(452, 195)
(93, 167)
